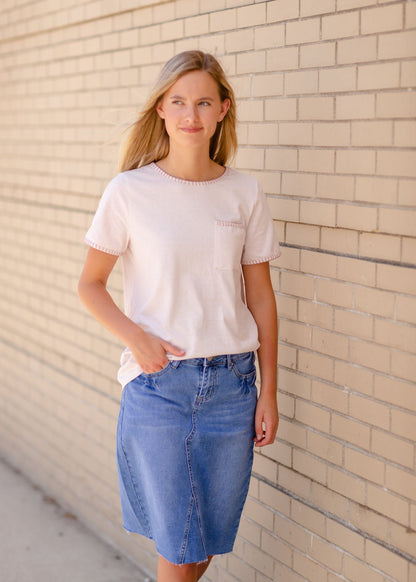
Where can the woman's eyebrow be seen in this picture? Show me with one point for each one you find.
(199, 98)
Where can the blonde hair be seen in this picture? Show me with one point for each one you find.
(147, 140)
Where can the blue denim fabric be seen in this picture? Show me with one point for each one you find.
(185, 452)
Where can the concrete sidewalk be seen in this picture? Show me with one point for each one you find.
(40, 542)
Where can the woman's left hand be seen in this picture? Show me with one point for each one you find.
(266, 419)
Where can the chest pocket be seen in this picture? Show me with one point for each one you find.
(229, 243)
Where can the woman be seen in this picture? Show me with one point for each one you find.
(196, 239)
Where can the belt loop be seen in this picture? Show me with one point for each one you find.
(229, 362)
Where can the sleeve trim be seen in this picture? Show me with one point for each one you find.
(258, 260)
(101, 247)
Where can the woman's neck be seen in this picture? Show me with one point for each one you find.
(190, 166)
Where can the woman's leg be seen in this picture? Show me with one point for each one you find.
(201, 568)
(168, 572)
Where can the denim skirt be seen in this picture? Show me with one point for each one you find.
(185, 453)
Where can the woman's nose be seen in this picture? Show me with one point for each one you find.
(191, 112)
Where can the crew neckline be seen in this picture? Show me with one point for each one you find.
(190, 182)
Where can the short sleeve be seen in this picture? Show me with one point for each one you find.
(109, 230)
(261, 244)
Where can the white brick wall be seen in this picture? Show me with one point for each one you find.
(326, 104)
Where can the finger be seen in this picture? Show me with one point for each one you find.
(175, 351)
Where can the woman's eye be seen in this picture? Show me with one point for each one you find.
(205, 103)
(177, 102)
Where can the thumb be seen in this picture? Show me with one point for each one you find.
(173, 349)
(258, 426)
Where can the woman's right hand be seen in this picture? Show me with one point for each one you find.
(150, 352)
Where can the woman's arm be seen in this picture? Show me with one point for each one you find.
(149, 351)
(261, 302)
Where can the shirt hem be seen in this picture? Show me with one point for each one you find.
(258, 260)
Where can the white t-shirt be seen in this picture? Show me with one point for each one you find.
(182, 245)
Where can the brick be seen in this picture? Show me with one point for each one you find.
(348, 4)
(223, 20)
(270, 36)
(406, 309)
(298, 184)
(292, 433)
(309, 466)
(295, 133)
(301, 82)
(323, 553)
(337, 80)
(251, 62)
(281, 10)
(280, 109)
(321, 213)
(267, 85)
(294, 333)
(364, 466)
(372, 133)
(291, 533)
(312, 415)
(281, 59)
(398, 279)
(386, 561)
(378, 76)
(335, 187)
(302, 31)
(357, 217)
(380, 246)
(322, 446)
(357, 571)
(309, 568)
(350, 431)
(405, 134)
(356, 161)
(403, 365)
(339, 240)
(370, 355)
(240, 40)
(284, 209)
(353, 488)
(408, 78)
(316, 365)
(355, 107)
(397, 45)
(248, 16)
(250, 158)
(381, 19)
(239, 568)
(281, 159)
(394, 334)
(274, 498)
(367, 520)
(392, 448)
(311, 8)
(297, 284)
(373, 301)
(275, 548)
(329, 501)
(396, 105)
(330, 343)
(264, 133)
(331, 134)
(403, 424)
(334, 293)
(354, 324)
(399, 163)
(398, 222)
(250, 110)
(259, 513)
(340, 25)
(357, 50)
(407, 195)
(316, 108)
(376, 190)
(315, 314)
(316, 160)
(317, 55)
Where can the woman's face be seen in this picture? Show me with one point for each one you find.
(191, 109)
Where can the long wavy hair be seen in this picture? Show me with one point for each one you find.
(147, 141)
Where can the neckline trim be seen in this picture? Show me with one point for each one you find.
(190, 182)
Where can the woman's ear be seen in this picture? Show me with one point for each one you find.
(159, 109)
(225, 105)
